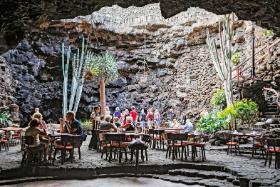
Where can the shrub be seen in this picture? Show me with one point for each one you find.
(268, 33)
(244, 111)
(212, 123)
(219, 98)
(86, 125)
(4, 118)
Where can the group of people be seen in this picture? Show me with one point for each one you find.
(38, 129)
(129, 120)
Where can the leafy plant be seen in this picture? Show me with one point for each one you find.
(4, 118)
(212, 123)
(219, 98)
(268, 33)
(244, 111)
(86, 125)
(104, 68)
(235, 58)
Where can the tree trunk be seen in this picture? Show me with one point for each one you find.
(102, 96)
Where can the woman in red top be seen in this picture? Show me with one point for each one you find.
(150, 118)
(133, 113)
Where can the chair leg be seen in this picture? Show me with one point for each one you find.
(54, 155)
(266, 158)
(23, 158)
(79, 150)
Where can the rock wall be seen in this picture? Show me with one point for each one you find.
(162, 64)
(20, 16)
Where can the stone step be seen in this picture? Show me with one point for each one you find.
(23, 180)
(271, 113)
(270, 116)
(210, 182)
(219, 175)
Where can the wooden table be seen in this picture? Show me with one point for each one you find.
(12, 129)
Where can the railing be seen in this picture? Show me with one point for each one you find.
(246, 65)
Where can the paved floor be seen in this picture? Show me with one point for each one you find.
(243, 165)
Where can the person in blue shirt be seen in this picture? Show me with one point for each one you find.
(188, 127)
(70, 124)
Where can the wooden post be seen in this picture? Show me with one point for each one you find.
(253, 53)
(102, 96)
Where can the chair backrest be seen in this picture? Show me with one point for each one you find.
(114, 137)
(177, 137)
(146, 138)
(156, 131)
(273, 142)
(66, 138)
(76, 141)
(28, 140)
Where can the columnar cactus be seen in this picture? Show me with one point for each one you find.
(222, 58)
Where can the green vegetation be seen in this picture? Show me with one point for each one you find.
(219, 98)
(79, 64)
(86, 125)
(104, 68)
(268, 33)
(235, 58)
(221, 52)
(4, 118)
(244, 111)
(212, 123)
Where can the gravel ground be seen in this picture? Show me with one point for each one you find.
(244, 165)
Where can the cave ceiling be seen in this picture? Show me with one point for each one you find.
(22, 15)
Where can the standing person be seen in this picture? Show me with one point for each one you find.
(170, 115)
(134, 115)
(142, 119)
(95, 117)
(107, 111)
(117, 113)
(122, 119)
(157, 118)
(150, 118)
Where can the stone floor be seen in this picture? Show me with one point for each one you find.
(241, 166)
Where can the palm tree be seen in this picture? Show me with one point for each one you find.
(104, 68)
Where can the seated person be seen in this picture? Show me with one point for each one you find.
(117, 121)
(127, 125)
(34, 131)
(70, 125)
(175, 124)
(107, 125)
(44, 138)
(188, 127)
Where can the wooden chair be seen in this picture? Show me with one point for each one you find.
(116, 142)
(63, 145)
(76, 143)
(157, 136)
(4, 143)
(175, 143)
(258, 144)
(197, 144)
(31, 153)
(273, 147)
(147, 139)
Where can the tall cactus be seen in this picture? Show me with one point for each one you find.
(79, 67)
(222, 58)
